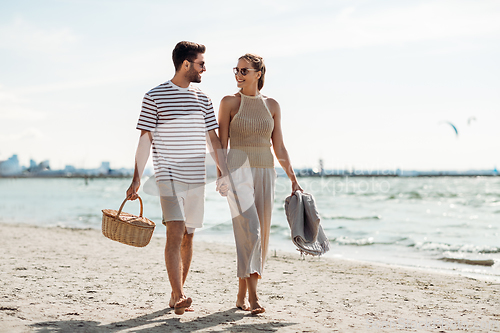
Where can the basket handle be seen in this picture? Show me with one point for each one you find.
(123, 204)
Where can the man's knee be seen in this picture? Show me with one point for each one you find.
(175, 230)
(188, 238)
(171, 225)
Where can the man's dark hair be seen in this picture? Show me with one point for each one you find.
(186, 51)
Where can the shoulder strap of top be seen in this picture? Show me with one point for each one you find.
(265, 104)
(240, 107)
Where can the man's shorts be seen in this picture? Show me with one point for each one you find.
(182, 202)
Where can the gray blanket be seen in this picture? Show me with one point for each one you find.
(303, 218)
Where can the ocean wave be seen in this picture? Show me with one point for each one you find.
(352, 218)
(405, 241)
(424, 195)
(218, 227)
(406, 195)
(350, 241)
(364, 241)
(443, 195)
(277, 227)
(465, 248)
(478, 262)
(459, 226)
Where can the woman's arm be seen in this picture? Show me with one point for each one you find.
(224, 120)
(279, 146)
(218, 154)
(225, 108)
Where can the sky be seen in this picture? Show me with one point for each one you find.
(363, 84)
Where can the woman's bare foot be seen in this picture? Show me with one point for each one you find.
(241, 302)
(251, 283)
(183, 304)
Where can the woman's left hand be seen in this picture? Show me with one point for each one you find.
(296, 187)
(221, 186)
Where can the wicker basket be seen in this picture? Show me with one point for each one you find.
(127, 228)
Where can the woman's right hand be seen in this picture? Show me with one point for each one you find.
(296, 187)
(133, 190)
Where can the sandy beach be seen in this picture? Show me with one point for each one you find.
(74, 280)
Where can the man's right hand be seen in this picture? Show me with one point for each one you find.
(133, 189)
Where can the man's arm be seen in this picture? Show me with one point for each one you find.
(141, 158)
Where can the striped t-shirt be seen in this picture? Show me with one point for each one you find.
(178, 119)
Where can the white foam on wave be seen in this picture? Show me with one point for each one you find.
(464, 248)
(351, 241)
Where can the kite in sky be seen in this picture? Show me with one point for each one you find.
(453, 126)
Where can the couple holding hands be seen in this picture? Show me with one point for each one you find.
(178, 120)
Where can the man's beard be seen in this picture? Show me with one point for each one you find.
(193, 75)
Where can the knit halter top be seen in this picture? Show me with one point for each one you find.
(250, 133)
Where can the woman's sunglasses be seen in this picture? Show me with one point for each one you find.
(243, 71)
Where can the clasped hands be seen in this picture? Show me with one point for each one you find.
(222, 185)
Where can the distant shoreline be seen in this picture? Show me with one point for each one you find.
(421, 175)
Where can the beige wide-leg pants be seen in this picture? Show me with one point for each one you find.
(251, 200)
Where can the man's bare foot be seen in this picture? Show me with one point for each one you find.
(182, 305)
(171, 303)
(256, 308)
(242, 306)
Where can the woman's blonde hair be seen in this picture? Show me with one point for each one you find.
(257, 64)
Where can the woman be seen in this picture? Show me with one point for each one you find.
(252, 122)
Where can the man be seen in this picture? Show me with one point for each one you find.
(175, 119)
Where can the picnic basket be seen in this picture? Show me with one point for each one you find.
(127, 228)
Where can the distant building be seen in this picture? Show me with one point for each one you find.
(10, 167)
(104, 169)
(38, 168)
(33, 165)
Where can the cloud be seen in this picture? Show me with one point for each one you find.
(13, 107)
(427, 21)
(357, 26)
(131, 67)
(28, 134)
(21, 36)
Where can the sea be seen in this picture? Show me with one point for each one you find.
(442, 224)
